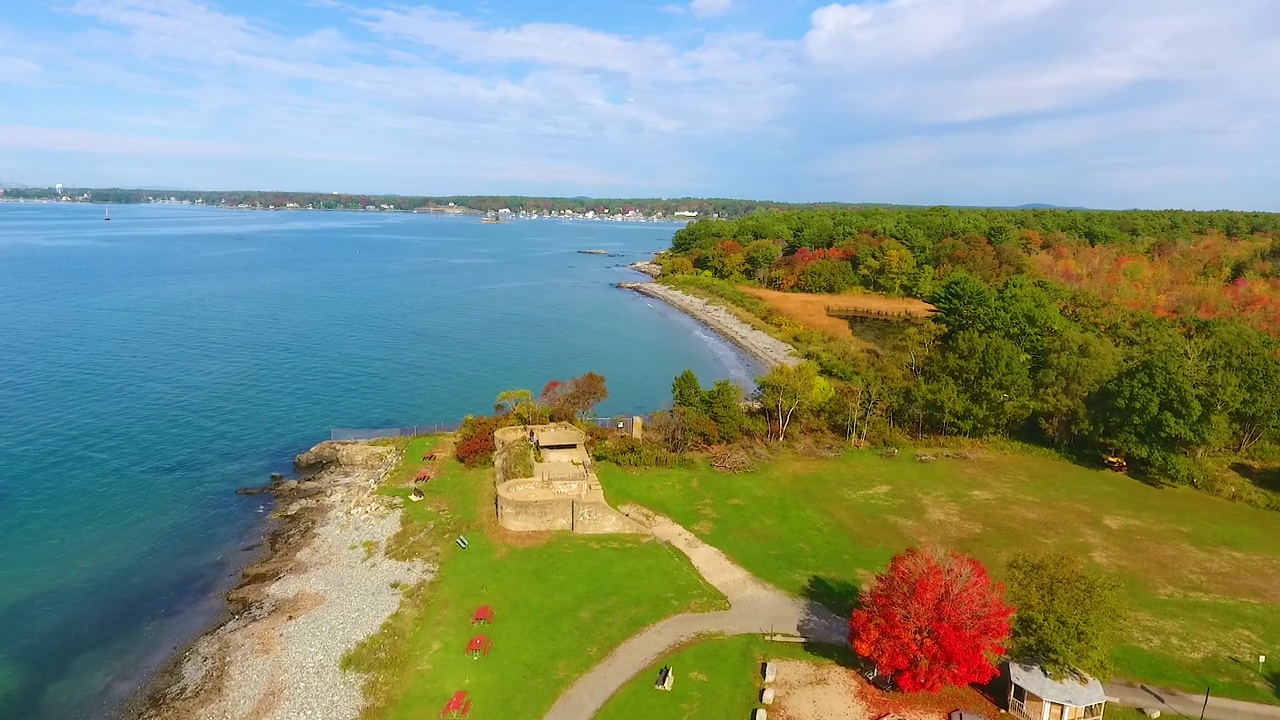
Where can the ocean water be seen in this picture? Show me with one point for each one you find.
(151, 365)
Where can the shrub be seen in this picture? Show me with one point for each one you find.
(475, 440)
(629, 452)
(518, 462)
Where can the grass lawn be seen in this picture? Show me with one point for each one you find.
(1202, 574)
(562, 603)
(715, 678)
(721, 678)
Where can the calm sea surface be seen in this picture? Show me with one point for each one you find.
(151, 365)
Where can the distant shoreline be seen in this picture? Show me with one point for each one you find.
(433, 211)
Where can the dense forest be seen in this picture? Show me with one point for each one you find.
(719, 207)
(1149, 335)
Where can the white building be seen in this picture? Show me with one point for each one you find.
(1033, 695)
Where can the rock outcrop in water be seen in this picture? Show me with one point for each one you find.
(346, 454)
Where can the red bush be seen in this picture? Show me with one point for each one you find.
(475, 445)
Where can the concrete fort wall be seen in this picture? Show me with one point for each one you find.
(570, 499)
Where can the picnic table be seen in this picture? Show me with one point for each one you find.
(483, 616)
(458, 706)
(479, 644)
(429, 456)
(424, 476)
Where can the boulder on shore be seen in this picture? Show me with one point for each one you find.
(346, 454)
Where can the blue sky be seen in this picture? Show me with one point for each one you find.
(1105, 103)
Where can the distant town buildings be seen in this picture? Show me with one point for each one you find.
(296, 201)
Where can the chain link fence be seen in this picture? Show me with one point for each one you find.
(346, 434)
(390, 432)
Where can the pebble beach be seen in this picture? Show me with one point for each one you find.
(324, 587)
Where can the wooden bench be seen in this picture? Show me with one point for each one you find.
(666, 678)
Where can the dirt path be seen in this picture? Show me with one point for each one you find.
(754, 607)
(1172, 703)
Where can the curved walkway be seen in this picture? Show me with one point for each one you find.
(1173, 702)
(754, 607)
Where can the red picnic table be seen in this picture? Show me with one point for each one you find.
(479, 644)
(483, 616)
(458, 706)
(424, 476)
(429, 456)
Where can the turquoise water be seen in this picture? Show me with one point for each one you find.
(151, 365)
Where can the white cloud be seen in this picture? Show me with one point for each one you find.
(18, 70)
(710, 8)
(547, 44)
(59, 140)
(906, 100)
(910, 30)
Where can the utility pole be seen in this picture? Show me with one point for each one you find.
(1206, 702)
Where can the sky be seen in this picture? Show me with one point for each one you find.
(1101, 103)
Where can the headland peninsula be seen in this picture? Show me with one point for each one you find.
(938, 412)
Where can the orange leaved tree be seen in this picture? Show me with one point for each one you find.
(932, 619)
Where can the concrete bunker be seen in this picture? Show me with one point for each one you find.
(562, 493)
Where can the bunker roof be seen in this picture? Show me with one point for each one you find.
(558, 437)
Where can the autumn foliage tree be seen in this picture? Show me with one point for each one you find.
(932, 619)
(576, 397)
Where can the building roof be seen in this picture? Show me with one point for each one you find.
(559, 436)
(1073, 692)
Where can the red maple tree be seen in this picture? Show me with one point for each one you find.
(932, 619)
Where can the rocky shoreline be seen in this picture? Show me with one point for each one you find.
(323, 586)
(760, 345)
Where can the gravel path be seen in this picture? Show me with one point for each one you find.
(760, 345)
(755, 607)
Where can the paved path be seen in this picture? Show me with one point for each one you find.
(1174, 703)
(754, 607)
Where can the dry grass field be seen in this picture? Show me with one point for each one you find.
(810, 309)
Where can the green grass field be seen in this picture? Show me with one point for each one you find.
(1202, 575)
(715, 678)
(562, 602)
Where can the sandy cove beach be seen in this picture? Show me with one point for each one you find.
(323, 587)
(760, 345)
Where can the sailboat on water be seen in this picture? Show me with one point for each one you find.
(107, 213)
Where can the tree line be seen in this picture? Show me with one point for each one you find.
(1013, 350)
